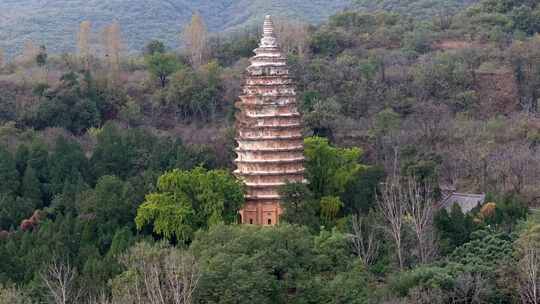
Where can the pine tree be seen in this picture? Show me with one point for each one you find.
(21, 158)
(69, 198)
(41, 60)
(41, 57)
(9, 177)
(38, 160)
(66, 162)
(31, 188)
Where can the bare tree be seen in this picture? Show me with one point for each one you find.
(195, 37)
(395, 300)
(1, 58)
(524, 57)
(391, 203)
(30, 51)
(100, 299)
(529, 267)
(112, 42)
(420, 207)
(182, 274)
(83, 44)
(518, 166)
(364, 241)
(293, 37)
(469, 288)
(60, 280)
(444, 18)
(157, 275)
(419, 295)
(12, 295)
(528, 249)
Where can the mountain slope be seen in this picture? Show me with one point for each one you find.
(55, 22)
(414, 8)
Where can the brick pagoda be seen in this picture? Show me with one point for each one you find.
(269, 132)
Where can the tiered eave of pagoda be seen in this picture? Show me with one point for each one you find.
(269, 132)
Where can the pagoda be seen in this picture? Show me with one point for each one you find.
(269, 132)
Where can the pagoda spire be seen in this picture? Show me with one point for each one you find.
(269, 38)
(269, 132)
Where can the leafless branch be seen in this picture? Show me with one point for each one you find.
(60, 280)
(529, 267)
(420, 206)
(364, 240)
(391, 203)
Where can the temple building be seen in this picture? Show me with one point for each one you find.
(269, 132)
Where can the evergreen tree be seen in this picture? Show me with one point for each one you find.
(68, 200)
(360, 191)
(111, 156)
(110, 205)
(161, 66)
(328, 168)
(31, 187)
(299, 205)
(13, 210)
(38, 160)
(41, 57)
(67, 106)
(454, 228)
(21, 158)
(9, 176)
(154, 46)
(65, 163)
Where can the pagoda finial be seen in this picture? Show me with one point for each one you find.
(268, 27)
(269, 38)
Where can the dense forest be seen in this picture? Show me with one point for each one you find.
(116, 183)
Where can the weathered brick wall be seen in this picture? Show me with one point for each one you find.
(269, 132)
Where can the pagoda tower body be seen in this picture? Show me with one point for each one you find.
(269, 132)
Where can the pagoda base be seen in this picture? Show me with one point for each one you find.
(264, 213)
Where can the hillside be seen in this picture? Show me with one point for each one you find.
(117, 181)
(414, 8)
(55, 22)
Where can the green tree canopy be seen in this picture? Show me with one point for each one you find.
(31, 188)
(281, 264)
(68, 106)
(9, 176)
(111, 205)
(299, 205)
(188, 200)
(153, 47)
(328, 169)
(66, 161)
(360, 191)
(454, 228)
(162, 65)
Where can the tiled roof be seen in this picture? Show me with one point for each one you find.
(466, 201)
